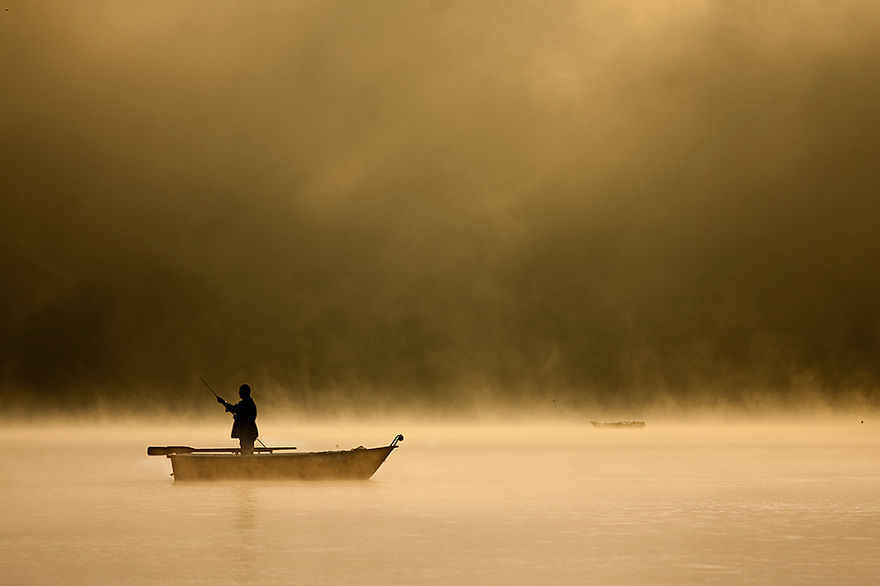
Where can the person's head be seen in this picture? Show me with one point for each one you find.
(244, 391)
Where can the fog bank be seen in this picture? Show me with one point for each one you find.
(441, 204)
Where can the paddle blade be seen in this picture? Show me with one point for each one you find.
(167, 450)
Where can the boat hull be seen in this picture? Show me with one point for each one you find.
(356, 464)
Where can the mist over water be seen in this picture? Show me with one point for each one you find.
(546, 502)
(477, 224)
(425, 204)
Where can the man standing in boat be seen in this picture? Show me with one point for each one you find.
(244, 419)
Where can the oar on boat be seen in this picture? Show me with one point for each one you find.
(169, 450)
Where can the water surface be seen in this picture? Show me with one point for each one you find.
(560, 503)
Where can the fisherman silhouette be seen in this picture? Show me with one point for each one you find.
(244, 419)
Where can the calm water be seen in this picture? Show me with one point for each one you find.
(467, 504)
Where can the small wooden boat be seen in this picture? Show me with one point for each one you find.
(265, 464)
(618, 423)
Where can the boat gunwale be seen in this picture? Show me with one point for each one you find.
(285, 455)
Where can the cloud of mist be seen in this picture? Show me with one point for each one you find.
(594, 201)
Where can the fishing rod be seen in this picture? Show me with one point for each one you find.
(218, 396)
(206, 382)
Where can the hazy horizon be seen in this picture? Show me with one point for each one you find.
(440, 205)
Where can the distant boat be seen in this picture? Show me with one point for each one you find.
(618, 423)
(227, 464)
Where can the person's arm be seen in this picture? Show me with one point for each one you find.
(229, 406)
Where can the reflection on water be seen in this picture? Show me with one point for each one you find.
(244, 532)
(527, 504)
